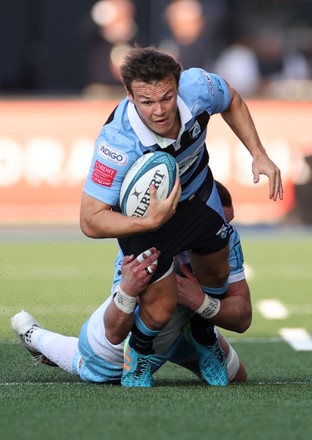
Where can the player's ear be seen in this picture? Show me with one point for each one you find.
(130, 96)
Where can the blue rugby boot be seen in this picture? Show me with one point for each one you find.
(137, 371)
(212, 362)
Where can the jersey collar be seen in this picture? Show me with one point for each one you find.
(146, 136)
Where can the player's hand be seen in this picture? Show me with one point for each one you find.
(263, 165)
(190, 293)
(137, 271)
(160, 211)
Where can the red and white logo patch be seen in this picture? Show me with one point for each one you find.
(103, 175)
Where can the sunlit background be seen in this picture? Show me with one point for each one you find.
(59, 81)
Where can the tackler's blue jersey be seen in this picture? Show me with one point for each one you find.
(124, 138)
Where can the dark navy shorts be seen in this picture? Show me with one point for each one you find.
(198, 225)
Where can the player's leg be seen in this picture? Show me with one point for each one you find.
(45, 346)
(184, 354)
(212, 359)
(149, 320)
(236, 369)
(158, 298)
(100, 361)
(206, 233)
(165, 290)
(209, 261)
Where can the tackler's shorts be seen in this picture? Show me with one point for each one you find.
(94, 368)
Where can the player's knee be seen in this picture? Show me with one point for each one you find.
(160, 319)
(160, 316)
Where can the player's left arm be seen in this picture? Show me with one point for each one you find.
(235, 310)
(238, 117)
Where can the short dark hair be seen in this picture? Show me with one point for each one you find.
(224, 194)
(148, 65)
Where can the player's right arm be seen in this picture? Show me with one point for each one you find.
(119, 315)
(98, 220)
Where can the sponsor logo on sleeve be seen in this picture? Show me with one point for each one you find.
(210, 82)
(112, 154)
(196, 107)
(103, 175)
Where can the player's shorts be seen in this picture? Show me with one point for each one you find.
(197, 225)
(94, 368)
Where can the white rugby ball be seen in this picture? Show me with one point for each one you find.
(157, 168)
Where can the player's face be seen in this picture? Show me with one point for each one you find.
(156, 104)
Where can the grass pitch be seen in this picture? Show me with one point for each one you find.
(60, 277)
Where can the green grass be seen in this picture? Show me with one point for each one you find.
(61, 279)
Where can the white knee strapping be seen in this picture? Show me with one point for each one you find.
(232, 362)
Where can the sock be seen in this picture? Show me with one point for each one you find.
(60, 349)
(142, 337)
(202, 331)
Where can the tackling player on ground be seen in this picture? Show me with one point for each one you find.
(97, 356)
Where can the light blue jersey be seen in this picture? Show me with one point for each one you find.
(124, 138)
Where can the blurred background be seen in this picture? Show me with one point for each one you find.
(59, 81)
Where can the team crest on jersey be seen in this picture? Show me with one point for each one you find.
(210, 82)
(194, 131)
(113, 155)
(223, 232)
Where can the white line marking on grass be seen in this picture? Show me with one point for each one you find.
(298, 338)
(244, 340)
(272, 309)
(279, 382)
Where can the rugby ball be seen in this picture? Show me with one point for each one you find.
(157, 168)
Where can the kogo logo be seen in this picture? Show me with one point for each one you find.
(115, 156)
